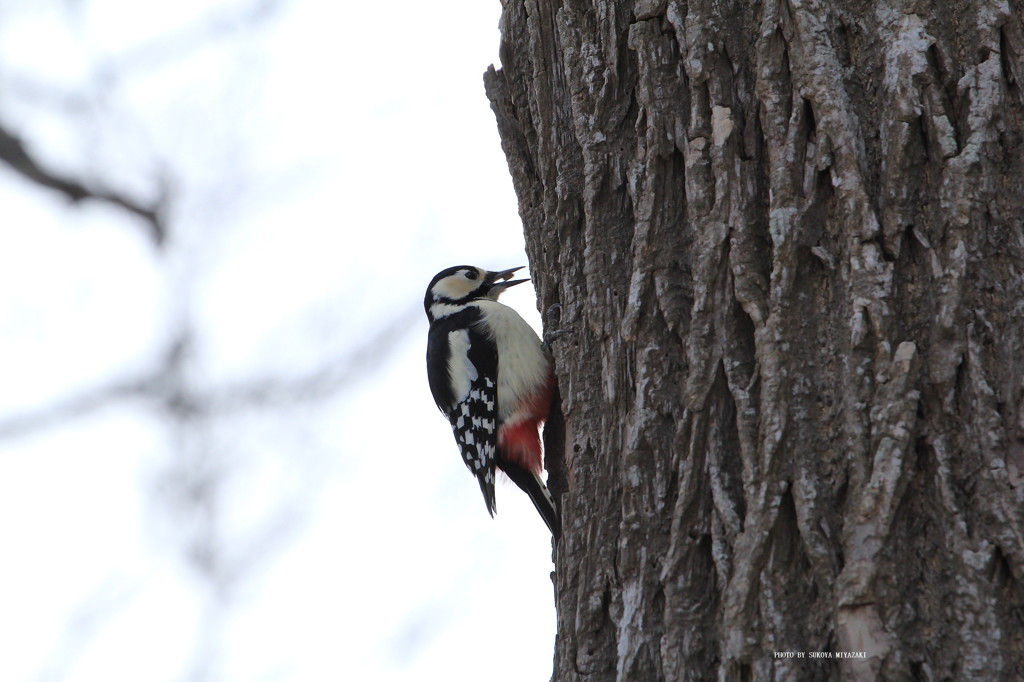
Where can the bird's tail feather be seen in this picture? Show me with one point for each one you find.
(531, 484)
(486, 479)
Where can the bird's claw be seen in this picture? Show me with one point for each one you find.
(552, 316)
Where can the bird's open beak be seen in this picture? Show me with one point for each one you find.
(499, 281)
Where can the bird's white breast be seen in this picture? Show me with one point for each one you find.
(523, 366)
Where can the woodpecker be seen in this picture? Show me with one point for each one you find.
(493, 379)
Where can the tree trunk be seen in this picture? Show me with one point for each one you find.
(787, 238)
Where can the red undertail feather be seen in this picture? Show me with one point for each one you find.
(519, 444)
(519, 440)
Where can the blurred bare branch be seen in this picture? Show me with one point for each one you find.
(215, 436)
(14, 153)
(107, 599)
(172, 393)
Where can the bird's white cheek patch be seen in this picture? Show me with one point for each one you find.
(453, 287)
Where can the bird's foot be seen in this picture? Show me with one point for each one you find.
(552, 317)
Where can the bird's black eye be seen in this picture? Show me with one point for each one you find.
(471, 274)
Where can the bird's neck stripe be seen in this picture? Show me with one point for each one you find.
(439, 310)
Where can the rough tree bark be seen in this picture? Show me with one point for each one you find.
(788, 239)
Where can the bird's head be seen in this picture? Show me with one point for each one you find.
(453, 287)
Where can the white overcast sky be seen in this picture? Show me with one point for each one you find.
(326, 162)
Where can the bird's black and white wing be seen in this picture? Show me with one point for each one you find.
(464, 386)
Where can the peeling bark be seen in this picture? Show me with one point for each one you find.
(788, 238)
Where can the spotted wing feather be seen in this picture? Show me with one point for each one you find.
(470, 402)
(474, 423)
